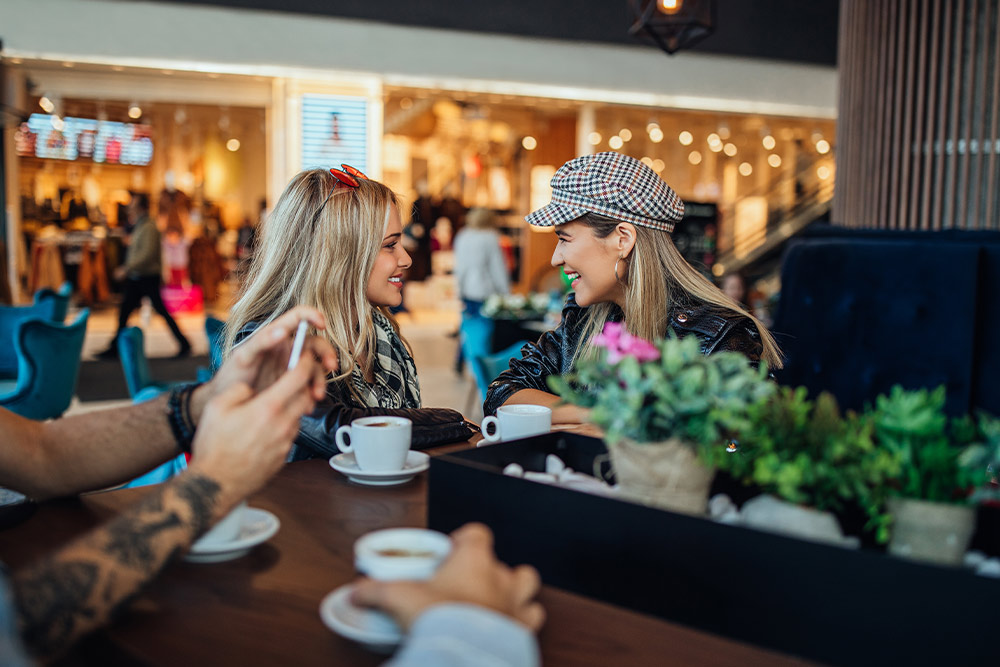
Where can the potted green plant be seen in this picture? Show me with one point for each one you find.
(816, 460)
(666, 410)
(516, 306)
(932, 518)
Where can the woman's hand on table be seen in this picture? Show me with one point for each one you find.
(263, 358)
(471, 575)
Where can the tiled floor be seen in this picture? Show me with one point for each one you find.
(432, 315)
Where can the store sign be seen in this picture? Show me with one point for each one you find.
(84, 139)
(334, 131)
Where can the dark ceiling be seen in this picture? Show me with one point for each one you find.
(791, 30)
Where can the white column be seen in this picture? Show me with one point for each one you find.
(586, 122)
(13, 96)
(276, 124)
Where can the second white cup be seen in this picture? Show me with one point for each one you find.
(517, 421)
(378, 443)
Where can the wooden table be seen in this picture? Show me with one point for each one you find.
(262, 609)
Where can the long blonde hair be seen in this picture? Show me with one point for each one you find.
(658, 278)
(320, 257)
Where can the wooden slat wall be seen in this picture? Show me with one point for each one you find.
(919, 114)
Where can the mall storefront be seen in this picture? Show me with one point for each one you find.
(209, 140)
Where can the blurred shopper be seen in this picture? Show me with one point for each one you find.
(480, 266)
(416, 236)
(175, 256)
(333, 242)
(206, 267)
(613, 216)
(734, 285)
(142, 275)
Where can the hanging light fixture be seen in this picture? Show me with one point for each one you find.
(672, 24)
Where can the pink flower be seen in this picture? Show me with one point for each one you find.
(639, 348)
(620, 344)
(608, 338)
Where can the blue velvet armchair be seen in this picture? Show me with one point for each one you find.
(48, 356)
(49, 305)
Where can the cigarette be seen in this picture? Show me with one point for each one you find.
(297, 344)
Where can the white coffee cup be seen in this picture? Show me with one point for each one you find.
(401, 553)
(517, 421)
(226, 530)
(378, 443)
(394, 554)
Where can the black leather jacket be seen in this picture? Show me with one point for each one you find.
(431, 426)
(718, 329)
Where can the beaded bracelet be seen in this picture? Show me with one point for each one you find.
(179, 415)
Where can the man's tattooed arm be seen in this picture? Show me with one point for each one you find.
(86, 583)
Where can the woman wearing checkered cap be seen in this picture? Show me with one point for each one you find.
(613, 216)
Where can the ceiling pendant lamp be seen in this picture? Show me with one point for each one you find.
(672, 24)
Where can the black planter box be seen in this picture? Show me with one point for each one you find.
(840, 606)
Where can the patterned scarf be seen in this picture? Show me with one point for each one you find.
(396, 384)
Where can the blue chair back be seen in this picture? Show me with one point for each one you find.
(135, 366)
(215, 331)
(59, 299)
(48, 356)
(49, 305)
(486, 368)
(476, 334)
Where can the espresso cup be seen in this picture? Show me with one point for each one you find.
(401, 553)
(394, 554)
(379, 444)
(226, 530)
(517, 421)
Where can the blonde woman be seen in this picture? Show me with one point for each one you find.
(333, 242)
(613, 217)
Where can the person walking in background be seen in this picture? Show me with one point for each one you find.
(141, 273)
(480, 267)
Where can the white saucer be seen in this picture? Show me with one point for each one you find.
(416, 462)
(371, 628)
(258, 527)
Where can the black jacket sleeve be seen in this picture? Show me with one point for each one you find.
(552, 354)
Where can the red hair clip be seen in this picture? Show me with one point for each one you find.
(344, 177)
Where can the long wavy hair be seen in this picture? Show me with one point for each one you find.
(320, 257)
(658, 278)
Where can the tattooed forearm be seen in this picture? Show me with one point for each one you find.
(83, 585)
(200, 494)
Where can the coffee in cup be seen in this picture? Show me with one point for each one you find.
(401, 553)
(379, 444)
(517, 421)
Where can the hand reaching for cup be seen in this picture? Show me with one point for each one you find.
(471, 574)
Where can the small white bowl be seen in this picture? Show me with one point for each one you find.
(401, 553)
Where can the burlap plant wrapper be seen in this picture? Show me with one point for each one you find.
(664, 474)
(929, 531)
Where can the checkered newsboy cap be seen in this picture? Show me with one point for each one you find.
(613, 185)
